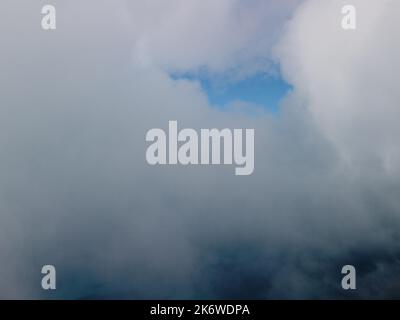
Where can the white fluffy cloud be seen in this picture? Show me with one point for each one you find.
(349, 79)
(184, 35)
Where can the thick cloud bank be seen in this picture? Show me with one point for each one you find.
(76, 191)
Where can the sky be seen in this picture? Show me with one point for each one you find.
(76, 191)
(263, 91)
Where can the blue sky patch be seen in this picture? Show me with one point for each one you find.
(263, 90)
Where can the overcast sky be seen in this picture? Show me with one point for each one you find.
(76, 191)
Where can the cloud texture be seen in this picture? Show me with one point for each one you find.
(76, 192)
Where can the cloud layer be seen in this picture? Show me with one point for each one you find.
(76, 192)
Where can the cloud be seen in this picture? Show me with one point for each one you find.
(349, 78)
(76, 192)
(187, 35)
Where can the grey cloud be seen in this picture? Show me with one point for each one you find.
(75, 190)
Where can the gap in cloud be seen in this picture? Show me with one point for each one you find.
(263, 91)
